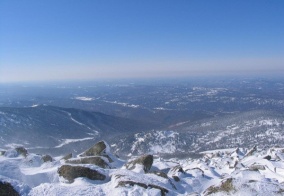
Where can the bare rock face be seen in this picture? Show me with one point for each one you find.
(267, 157)
(99, 149)
(226, 187)
(22, 151)
(251, 151)
(256, 167)
(47, 158)
(71, 172)
(89, 160)
(68, 156)
(7, 189)
(146, 161)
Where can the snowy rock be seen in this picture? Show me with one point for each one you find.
(47, 158)
(100, 148)
(126, 179)
(268, 157)
(16, 152)
(68, 156)
(21, 151)
(71, 172)
(256, 167)
(146, 161)
(7, 189)
(251, 152)
(175, 172)
(90, 160)
(225, 187)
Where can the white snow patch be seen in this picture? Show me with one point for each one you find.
(84, 98)
(68, 141)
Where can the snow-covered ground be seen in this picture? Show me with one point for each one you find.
(84, 98)
(218, 172)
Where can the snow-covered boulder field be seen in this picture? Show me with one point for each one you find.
(98, 172)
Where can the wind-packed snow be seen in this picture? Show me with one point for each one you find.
(218, 172)
(68, 141)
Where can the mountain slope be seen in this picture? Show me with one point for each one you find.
(48, 126)
(264, 128)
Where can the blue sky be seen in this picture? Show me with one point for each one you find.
(91, 39)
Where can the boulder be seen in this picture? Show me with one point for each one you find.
(47, 158)
(256, 167)
(251, 152)
(68, 156)
(89, 160)
(22, 151)
(99, 149)
(267, 157)
(225, 188)
(7, 189)
(146, 161)
(125, 182)
(71, 172)
(145, 186)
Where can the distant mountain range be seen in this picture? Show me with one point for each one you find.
(49, 129)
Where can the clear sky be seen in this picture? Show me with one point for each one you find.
(91, 39)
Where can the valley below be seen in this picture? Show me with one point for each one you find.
(197, 133)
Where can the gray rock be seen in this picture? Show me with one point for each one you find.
(71, 172)
(145, 160)
(90, 160)
(68, 156)
(256, 167)
(125, 183)
(7, 189)
(225, 187)
(251, 152)
(267, 157)
(47, 158)
(97, 150)
(22, 151)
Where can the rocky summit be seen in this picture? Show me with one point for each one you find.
(96, 171)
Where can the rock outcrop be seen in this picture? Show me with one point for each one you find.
(22, 151)
(71, 172)
(68, 156)
(7, 189)
(46, 158)
(99, 149)
(146, 161)
(89, 160)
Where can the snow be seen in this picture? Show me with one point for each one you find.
(30, 176)
(68, 141)
(123, 104)
(84, 98)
